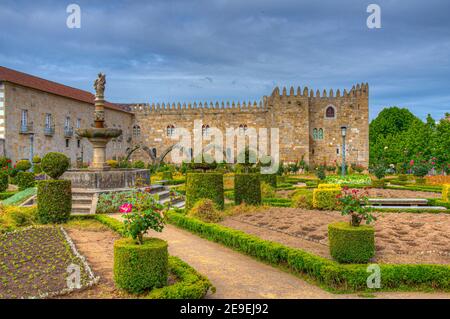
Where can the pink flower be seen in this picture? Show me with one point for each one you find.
(125, 208)
(411, 163)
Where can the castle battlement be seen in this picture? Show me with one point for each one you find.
(359, 90)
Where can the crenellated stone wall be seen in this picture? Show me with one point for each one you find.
(297, 114)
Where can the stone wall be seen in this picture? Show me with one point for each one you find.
(38, 104)
(295, 113)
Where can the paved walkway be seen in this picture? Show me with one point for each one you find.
(238, 276)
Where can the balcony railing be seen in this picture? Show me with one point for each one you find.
(26, 128)
(68, 131)
(49, 130)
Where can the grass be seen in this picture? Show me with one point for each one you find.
(20, 197)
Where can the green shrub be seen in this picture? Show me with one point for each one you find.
(379, 171)
(302, 199)
(270, 179)
(25, 180)
(267, 190)
(37, 169)
(54, 164)
(403, 177)
(36, 159)
(325, 198)
(12, 217)
(23, 165)
(167, 175)
(320, 172)
(138, 164)
(190, 285)
(349, 244)
(4, 180)
(421, 181)
(204, 185)
(247, 189)
(54, 200)
(446, 192)
(140, 268)
(112, 223)
(5, 162)
(206, 211)
(112, 163)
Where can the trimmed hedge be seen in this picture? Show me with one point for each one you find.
(204, 185)
(446, 192)
(54, 201)
(4, 180)
(247, 189)
(25, 180)
(270, 179)
(23, 165)
(139, 268)
(166, 175)
(325, 197)
(5, 195)
(335, 276)
(191, 284)
(349, 244)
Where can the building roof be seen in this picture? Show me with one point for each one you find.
(27, 80)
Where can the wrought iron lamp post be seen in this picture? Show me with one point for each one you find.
(343, 133)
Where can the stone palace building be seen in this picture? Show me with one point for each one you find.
(38, 116)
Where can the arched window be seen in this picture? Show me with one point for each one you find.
(242, 129)
(320, 136)
(330, 112)
(170, 130)
(205, 130)
(315, 134)
(136, 130)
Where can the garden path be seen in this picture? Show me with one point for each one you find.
(238, 276)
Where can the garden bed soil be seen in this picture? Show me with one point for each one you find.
(399, 193)
(95, 241)
(403, 238)
(34, 263)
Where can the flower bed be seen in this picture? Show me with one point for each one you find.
(35, 263)
(348, 179)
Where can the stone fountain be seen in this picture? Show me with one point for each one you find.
(99, 177)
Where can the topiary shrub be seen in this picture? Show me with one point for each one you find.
(37, 169)
(36, 159)
(206, 211)
(350, 244)
(139, 268)
(204, 185)
(54, 164)
(446, 192)
(302, 199)
(25, 180)
(270, 179)
(23, 165)
(267, 191)
(325, 198)
(247, 189)
(4, 180)
(54, 201)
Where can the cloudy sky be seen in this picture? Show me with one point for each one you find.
(197, 50)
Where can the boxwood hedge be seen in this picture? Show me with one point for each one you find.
(334, 276)
(25, 180)
(247, 189)
(4, 180)
(139, 268)
(349, 244)
(204, 185)
(270, 179)
(54, 201)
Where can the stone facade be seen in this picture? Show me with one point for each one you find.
(309, 123)
(38, 105)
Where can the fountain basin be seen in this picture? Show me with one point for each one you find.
(102, 133)
(107, 179)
